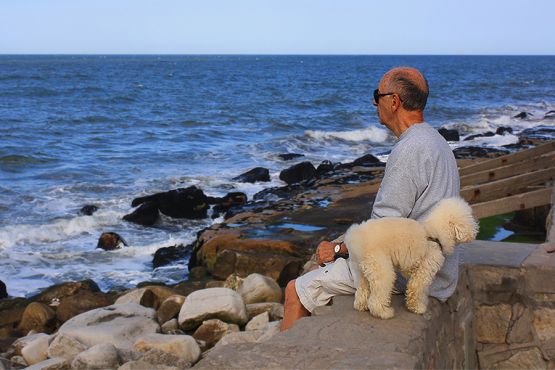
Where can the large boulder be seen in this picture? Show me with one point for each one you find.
(100, 356)
(257, 288)
(81, 302)
(367, 160)
(297, 173)
(118, 324)
(221, 205)
(188, 202)
(65, 347)
(3, 290)
(59, 291)
(289, 156)
(258, 322)
(38, 317)
(51, 364)
(449, 135)
(88, 210)
(166, 255)
(146, 214)
(110, 241)
(211, 331)
(250, 336)
(35, 350)
(182, 346)
(212, 303)
(254, 175)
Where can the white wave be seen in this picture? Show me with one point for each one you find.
(56, 230)
(373, 134)
(489, 141)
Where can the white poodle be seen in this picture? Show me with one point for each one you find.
(417, 249)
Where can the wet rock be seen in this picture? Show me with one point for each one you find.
(100, 356)
(167, 255)
(469, 152)
(88, 210)
(149, 296)
(256, 174)
(147, 214)
(258, 322)
(523, 115)
(35, 350)
(233, 199)
(184, 347)
(188, 202)
(118, 324)
(289, 156)
(170, 308)
(297, 173)
(197, 273)
(59, 291)
(275, 310)
(367, 160)
(81, 302)
(485, 134)
(538, 133)
(211, 331)
(324, 167)
(503, 130)
(3, 290)
(110, 241)
(257, 288)
(212, 303)
(65, 347)
(549, 115)
(38, 317)
(449, 135)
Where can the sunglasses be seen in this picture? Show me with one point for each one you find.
(378, 95)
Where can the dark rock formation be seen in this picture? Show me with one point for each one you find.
(549, 115)
(469, 152)
(147, 214)
(297, 173)
(449, 135)
(180, 203)
(167, 255)
(254, 175)
(324, 167)
(523, 115)
(485, 134)
(289, 156)
(538, 133)
(80, 302)
(88, 210)
(110, 241)
(3, 290)
(503, 130)
(222, 205)
(367, 160)
(59, 291)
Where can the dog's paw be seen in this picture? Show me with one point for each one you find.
(360, 304)
(418, 307)
(383, 312)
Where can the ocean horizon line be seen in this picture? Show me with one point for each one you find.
(277, 54)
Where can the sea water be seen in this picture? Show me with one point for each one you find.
(102, 130)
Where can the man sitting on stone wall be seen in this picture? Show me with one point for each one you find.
(421, 170)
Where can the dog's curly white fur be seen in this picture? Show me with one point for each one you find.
(417, 249)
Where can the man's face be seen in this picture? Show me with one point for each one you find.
(381, 105)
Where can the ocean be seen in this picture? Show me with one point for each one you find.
(102, 130)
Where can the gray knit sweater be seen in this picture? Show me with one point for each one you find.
(420, 171)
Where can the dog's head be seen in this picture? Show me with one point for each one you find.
(451, 222)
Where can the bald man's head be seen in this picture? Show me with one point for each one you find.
(411, 86)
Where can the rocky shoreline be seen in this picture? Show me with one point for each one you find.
(237, 270)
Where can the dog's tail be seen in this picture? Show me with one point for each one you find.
(450, 223)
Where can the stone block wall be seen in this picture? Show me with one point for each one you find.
(514, 316)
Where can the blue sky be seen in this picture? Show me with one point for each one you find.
(277, 27)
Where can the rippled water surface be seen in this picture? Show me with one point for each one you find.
(78, 130)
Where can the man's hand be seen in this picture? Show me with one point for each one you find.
(325, 252)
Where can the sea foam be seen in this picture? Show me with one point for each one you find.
(372, 134)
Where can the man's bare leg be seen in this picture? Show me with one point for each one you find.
(293, 309)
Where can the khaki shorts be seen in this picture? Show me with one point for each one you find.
(317, 287)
